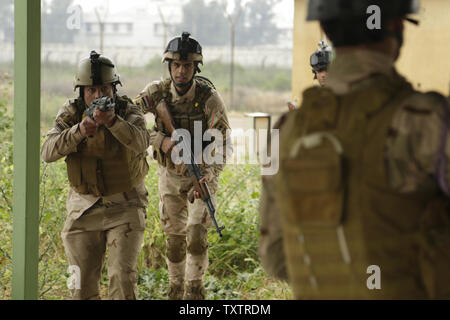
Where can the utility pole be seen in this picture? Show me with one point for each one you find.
(233, 23)
(101, 24)
(165, 27)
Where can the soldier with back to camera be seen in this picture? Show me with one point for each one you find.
(363, 186)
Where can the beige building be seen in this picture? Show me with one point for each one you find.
(424, 60)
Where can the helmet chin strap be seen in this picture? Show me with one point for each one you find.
(183, 85)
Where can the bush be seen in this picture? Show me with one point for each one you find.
(6, 195)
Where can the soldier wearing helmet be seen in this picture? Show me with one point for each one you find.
(319, 63)
(363, 185)
(105, 153)
(194, 103)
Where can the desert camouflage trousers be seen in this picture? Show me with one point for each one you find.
(118, 228)
(186, 226)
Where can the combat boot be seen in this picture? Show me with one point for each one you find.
(176, 291)
(194, 290)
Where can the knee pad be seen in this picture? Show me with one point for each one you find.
(176, 248)
(197, 239)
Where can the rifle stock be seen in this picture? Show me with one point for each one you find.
(163, 112)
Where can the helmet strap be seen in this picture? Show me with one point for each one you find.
(81, 89)
(197, 68)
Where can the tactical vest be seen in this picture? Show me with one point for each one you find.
(102, 166)
(185, 115)
(343, 225)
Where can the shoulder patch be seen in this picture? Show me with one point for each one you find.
(143, 102)
(222, 126)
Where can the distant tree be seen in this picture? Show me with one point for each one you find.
(257, 25)
(206, 22)
(7, 19)
(253, 21)
(54, 21)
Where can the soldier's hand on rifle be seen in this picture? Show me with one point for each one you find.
(167, 145)
(201, 181)
(106, 119)
(88, 127)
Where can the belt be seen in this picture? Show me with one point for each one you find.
(119, 197)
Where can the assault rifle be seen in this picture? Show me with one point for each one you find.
(193, 169)
(103, 104)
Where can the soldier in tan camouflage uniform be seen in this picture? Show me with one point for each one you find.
(363, 182)
(106, 164)
(190, 99)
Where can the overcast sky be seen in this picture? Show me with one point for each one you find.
(284, 10)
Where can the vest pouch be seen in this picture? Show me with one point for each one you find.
(314, 183)
(95, 147)
(434, 249)
(73, 162)
(181, 122)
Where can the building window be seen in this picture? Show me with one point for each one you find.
(88, 27)
(129, 27)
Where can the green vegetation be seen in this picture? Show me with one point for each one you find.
(257, 89)
(266, 78)
(234, 273)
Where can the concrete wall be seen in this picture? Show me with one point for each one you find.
(306, 37)
(425, 58)
(425, 55)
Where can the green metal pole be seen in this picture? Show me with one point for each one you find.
(27, 83)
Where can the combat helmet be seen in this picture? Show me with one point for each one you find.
(183, 48)
(96, 70)
(345, 23)
(321, 58)
(323, 10)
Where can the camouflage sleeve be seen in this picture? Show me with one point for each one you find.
(418, 146)
(131, 131)
(64, 138)
(145, 100)
(271, 248)
(156, 138)
(216, 113)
